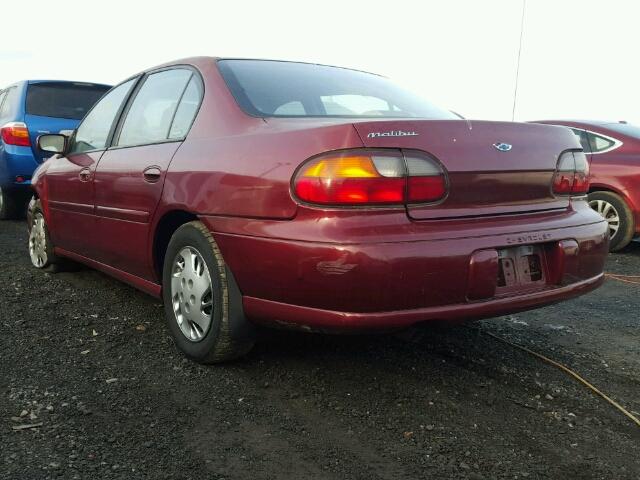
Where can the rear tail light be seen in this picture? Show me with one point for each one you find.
(15, 133)
(370, 177)
(581, 178)
(572, 175)
(426, 181)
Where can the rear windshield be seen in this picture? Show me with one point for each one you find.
(63, 100)
(289, 89)
(625, 129)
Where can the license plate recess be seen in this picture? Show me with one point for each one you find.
(520, 267)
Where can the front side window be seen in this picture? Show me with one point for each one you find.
(62, 99)
(268, 88)
(152, 111)
(93, 132)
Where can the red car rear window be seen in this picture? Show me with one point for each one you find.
(290, 89)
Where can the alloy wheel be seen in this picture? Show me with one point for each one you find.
(609, 213)
(38, 241)
(191, 294)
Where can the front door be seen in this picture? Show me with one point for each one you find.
(130, 175)
(70, 178)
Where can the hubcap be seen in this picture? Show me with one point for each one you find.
(38, 241)
(191, 294)
(609, 213)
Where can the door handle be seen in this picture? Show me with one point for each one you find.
(85, 175)
(151, 174)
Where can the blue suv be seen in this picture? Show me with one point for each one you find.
(29, 109)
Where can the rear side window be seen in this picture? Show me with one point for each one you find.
(187, 109)
(62, 100)
(153, 108)
(584, 140)
(93, 132)
(289, 89)
(599, 144)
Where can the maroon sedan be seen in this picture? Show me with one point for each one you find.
(613, 151)
(249, 192)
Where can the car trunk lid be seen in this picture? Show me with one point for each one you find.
(494, 168)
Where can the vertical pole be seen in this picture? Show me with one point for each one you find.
(515, 91)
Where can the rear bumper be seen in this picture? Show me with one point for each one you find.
(15, 162)
(393, 284)
(296, 316)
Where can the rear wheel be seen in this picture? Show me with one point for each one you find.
(203, 312)
(617, 214)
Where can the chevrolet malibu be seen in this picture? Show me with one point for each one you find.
(247, 192)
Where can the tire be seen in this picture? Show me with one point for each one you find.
(203, 306)
(40, 246)
(616, 211)
(9, 205)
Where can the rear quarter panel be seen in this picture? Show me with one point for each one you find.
(235, 165)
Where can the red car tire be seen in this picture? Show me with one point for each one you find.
(228, 334)
(616, 211)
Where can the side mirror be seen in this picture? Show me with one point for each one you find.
(52, 143)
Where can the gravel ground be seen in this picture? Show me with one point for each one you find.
(89, 361)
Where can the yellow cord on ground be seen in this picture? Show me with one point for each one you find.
(633, 418)
(623, 278)
(622, 275)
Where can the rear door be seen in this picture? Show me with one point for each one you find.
(54, 106)
(130, 176)
(69, 179)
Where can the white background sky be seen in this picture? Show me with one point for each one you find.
(579, 57)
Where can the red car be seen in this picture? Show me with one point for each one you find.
(613, 151)
(249, 192)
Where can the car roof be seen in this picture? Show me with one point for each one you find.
(205, 59)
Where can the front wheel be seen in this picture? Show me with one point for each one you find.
(617, 214)
(202, 306)
(40, 246)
